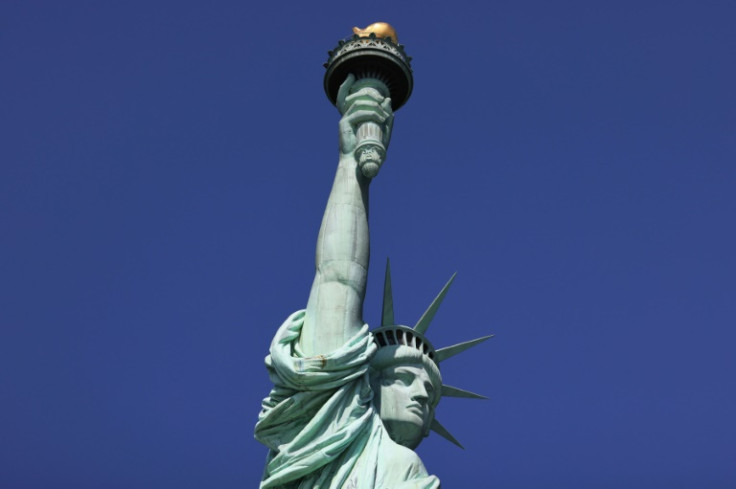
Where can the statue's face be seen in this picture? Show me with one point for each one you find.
(404, 396)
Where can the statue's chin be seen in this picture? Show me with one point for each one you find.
(404, 433)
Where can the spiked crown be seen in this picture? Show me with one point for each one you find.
(399, 344)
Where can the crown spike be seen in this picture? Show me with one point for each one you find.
(450, 351)
(387, 318)
(423, 323)
(442, 431)
(450, 391)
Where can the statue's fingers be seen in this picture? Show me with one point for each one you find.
(364, 104)
(365, 92)
(343, 92)
(364, 115)
(368, 104)
(386, 104)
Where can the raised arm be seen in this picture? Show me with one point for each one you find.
(335, 306)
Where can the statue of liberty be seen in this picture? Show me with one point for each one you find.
(349, 406)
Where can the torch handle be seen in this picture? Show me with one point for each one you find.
(370, 151)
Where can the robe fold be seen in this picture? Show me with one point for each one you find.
(320, 425)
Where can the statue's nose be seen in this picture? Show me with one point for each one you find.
(419, 392)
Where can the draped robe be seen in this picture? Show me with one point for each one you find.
(320, 425)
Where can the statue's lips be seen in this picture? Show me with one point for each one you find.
(416, 408)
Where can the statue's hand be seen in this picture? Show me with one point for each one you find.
(365, 105)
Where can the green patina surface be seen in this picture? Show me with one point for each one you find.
(348, 407)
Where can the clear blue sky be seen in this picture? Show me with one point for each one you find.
(163, 170)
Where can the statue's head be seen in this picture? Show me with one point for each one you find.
(407, 385)
(405, 374)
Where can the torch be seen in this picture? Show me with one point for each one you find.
(374, 56)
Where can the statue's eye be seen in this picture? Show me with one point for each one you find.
(405, 378)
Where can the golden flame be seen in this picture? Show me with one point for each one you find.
(380, 29)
